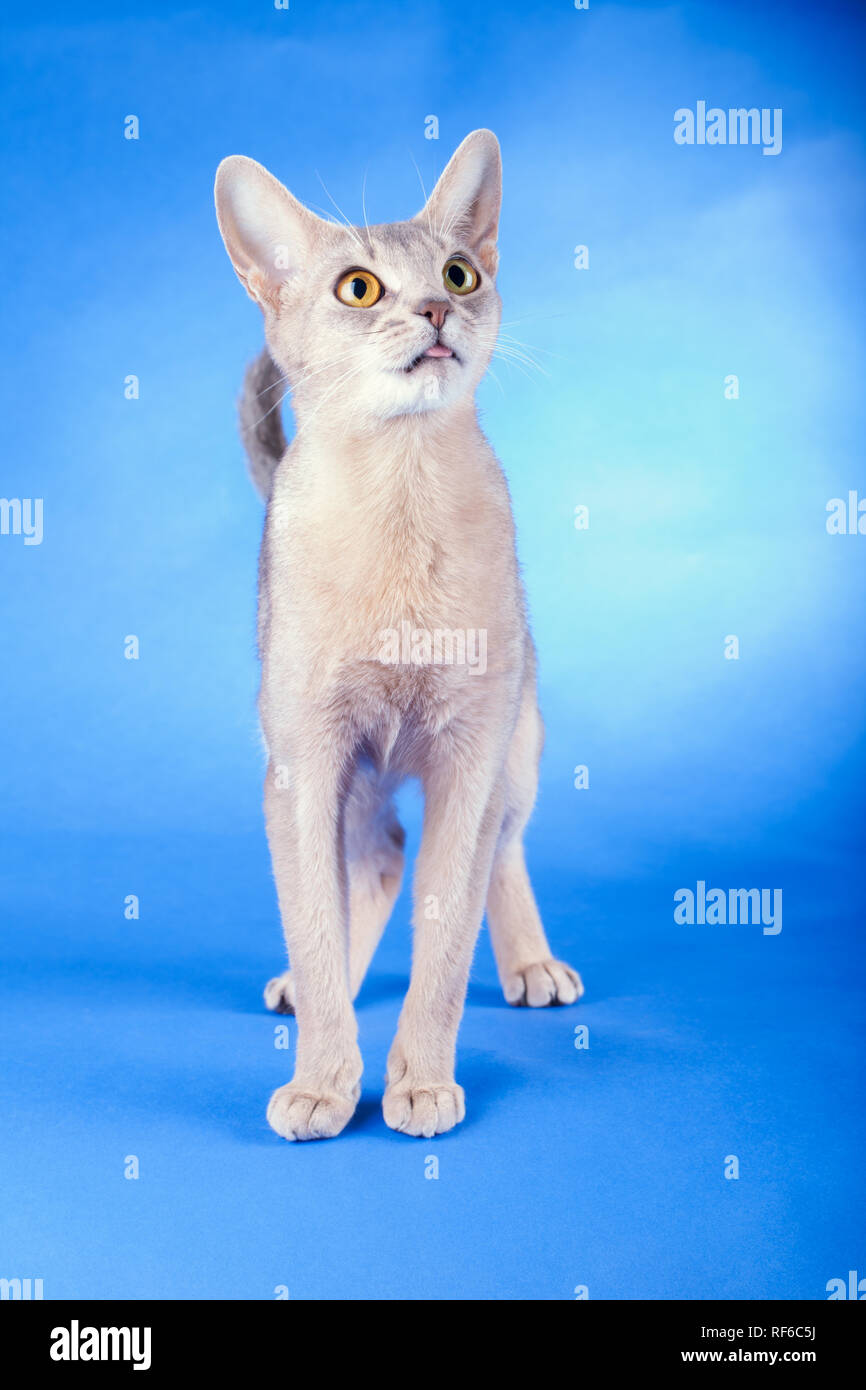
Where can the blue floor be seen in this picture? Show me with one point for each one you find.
(600, 1167)
(701, 401)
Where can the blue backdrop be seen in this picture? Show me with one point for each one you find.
(599, 1167)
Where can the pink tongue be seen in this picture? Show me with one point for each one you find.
(438, 350)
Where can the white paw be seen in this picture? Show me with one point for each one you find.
(280, 994)
(424, 1110)
(296, 1113)
(547, 982)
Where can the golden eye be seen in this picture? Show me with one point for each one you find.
(359, 288)
(459, 276)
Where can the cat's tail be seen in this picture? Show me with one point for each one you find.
(261, 420)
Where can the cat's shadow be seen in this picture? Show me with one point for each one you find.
(483, 1078)
(227, 1096)
(380, 989)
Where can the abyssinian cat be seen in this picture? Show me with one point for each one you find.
(388, 551)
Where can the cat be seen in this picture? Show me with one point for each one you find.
(389, 514)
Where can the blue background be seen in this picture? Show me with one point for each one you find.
(602, 1167)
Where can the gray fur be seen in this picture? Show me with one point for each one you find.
(261, 420)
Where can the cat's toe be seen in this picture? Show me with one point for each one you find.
(424, 1110)
(298, 1114)
(280, 994)
(545, 982)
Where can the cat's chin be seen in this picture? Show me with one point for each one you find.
(433, 385)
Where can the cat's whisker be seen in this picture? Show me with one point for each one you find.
(349, 227)
(519, 350)
(456, 216)
(322, 366)
(249, 428)
(424, 193)
(510, 340)
(445, 227)
(327, 216)
(509, 350)
(506, 352)
(279, 382)
(294, 386)
(518, 365)
(496, 379)
(564, 314)
(533, 347)
(341, 380)
(519, 359)
(335, 385)
(315, 368)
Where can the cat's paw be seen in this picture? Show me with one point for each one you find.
(424, 1110)
(297, 1113)
(547, 982)
(280, 994)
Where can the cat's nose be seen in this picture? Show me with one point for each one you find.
(435, 310)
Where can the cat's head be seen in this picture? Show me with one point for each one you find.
(368, 323)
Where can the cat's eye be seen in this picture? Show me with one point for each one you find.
(359, 288)
(459, 277)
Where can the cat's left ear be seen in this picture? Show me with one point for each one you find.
(464, 205)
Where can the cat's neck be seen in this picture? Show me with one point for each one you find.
(397, 450)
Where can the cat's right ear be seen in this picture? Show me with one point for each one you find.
(267, 233)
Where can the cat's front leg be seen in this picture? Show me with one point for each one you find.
(464, 798)
(304, 832)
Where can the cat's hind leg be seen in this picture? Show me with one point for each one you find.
(528, 971)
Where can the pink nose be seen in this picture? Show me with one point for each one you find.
(435, 310)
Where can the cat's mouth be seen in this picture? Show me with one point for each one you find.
(437, 352)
